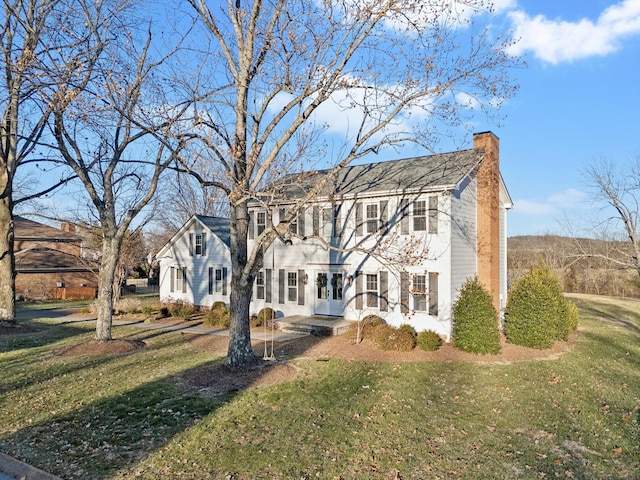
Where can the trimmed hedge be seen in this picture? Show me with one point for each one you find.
(537, 312)
(217, 317)
(428, 341)
(475, 320)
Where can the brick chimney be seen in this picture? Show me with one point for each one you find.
(68, 227)
(488, 213)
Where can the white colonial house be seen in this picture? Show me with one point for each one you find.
(195, 264)
(396, 239)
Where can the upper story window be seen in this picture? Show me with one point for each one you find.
(261, 221)
(372, 217)
(419, 216)
(197, 244)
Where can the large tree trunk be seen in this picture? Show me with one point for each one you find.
(240, 355)
(105, 289)
(7, 260)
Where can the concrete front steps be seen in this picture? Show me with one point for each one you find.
(315, 325)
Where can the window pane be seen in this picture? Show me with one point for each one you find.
(321, 284)
(261, 221)
(218, 280)
(419, 216)
(372, 218)
(198, 244)
(420, 293)
(372, 290)
(260, 285)
(336, 285)
(292, 282)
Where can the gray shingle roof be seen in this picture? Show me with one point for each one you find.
(219, 226)
(441, 171)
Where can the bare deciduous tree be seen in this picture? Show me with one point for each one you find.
(617, 187)
(117, 136)
(42, 41)
(306, 84)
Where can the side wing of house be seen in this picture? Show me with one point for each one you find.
(195, 266)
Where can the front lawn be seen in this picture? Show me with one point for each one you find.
(129, 416)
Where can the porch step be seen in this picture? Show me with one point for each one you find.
(316, 325)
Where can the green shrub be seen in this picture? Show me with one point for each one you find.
(217, 317)
(147, 309)
(181, 309)
(409, 329)
(392, 338)
(537, 313)
(217, 305)
(265, 315)
(475, 320)
(428, 341)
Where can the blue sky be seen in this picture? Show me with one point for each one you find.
(579, 100)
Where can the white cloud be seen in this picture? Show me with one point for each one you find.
(556, 41)
(570, 198)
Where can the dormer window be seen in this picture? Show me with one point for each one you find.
(197, 244)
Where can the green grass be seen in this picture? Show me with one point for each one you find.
(575, 416)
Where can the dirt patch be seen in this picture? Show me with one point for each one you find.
(343, 347)
(97, 347)
(215, 379)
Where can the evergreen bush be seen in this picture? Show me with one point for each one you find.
(428, 340)
(475, 320)
(537, 312)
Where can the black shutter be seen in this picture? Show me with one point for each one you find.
(172, 279)
(404, 217)
(384, 291)
(358, 290)
(359, 218)
(251, 227)
(184, 279)
(191, 244)
(404, 292)
(281, 278)
(301, 215)
(267, 285)
(433, 294)
(316, 220)
(301, 287)
(204, 244)
(224, 280)
(383, 215)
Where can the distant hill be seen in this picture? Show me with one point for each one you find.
(568, 257)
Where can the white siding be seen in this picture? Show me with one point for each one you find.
(464, 263)
(177, 255)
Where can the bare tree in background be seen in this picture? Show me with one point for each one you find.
(392, 72)
(181, 197)
(117, 135)
(617, 187)
(42, 42)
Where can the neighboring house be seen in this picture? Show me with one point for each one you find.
(50, 263)
(396, 239)
(195, 264)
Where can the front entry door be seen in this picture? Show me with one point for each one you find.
(328, 293)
